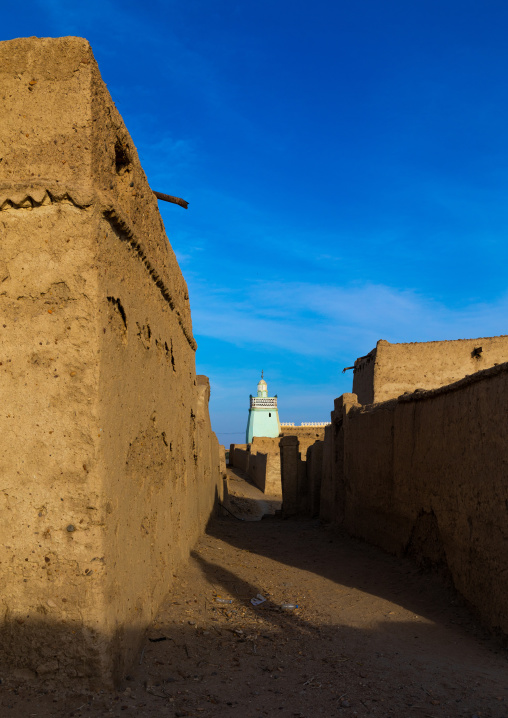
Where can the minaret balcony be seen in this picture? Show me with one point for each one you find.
(268, 402)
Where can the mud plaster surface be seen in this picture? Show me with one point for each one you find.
(391, 370)
(109, 469)
(373, 637)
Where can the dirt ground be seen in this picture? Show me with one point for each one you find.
(372, 635)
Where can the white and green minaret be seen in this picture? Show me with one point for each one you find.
(263, 414)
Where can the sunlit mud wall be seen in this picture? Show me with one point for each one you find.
(427, 475)
(260, 460)
(390, 370)
(109, 469)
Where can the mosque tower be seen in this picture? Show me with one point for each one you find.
(263, 414)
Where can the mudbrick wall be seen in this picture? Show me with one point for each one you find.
(301, 460)
(260, 460)
(109, 468)
(293, 477)
(306, 434)
(427, 476)
(390, 370)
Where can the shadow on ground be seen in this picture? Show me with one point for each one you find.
(332, 554)
(372, 637)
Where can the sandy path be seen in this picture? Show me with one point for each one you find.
(373, 637)
(246, 500)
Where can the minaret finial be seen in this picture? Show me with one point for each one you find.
(262, 373)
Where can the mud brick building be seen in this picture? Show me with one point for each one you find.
(109, 469)
(390, 370)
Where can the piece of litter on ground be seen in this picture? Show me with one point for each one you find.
(257, 600)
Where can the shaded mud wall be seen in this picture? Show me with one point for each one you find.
(427, 475)
(363, 377)
(301, 457)
(391, 370)
(331, 485)
(293, 478)
(260, 460)
(109, 468)
(314, 471)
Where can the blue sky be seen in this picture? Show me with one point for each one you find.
(346, 165)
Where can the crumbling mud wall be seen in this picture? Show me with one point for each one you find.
(260, 460)
(427, 476)
(391, 370)
(109, 468)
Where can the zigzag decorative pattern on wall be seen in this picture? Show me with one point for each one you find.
(16, 196)
(28, 198)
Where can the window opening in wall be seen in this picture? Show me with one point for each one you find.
(269, 413)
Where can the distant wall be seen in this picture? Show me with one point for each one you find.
(109, 468)
(314, 475)
(301, 457)
(295, 485)
(390, 370)
(260, 461)
(306, 432)
(427, 475)
(306, 435)
(239, 457)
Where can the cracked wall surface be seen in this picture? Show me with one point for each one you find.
(109, 469)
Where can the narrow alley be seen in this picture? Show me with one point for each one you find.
(372, 635)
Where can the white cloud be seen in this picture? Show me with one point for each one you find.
(327, 321)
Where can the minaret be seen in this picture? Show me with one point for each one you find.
(263, 414)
